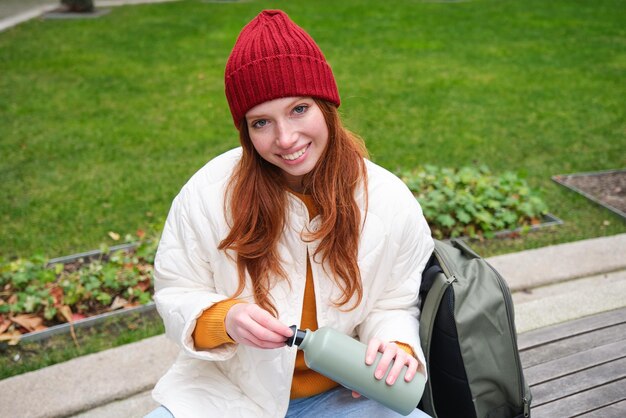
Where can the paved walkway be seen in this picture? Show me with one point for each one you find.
(14, 12)
(550, 285)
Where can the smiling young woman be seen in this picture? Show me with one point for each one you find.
(294, 227)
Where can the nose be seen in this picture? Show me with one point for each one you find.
(286, 135)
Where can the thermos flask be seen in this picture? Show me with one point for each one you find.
(342, 359)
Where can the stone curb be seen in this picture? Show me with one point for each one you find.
(87, 382)
(558, 263)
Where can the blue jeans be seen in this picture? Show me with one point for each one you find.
(336, 402)
(160, 412)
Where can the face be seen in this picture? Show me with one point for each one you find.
(290, 133)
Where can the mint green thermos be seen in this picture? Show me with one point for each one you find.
(342, 359)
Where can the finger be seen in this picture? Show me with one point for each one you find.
(356, 395)
(271, 329)
(413, 365)
(399, 363)
(246, 320)
(243, 329)
(385, 360)
(373, 348)
(250, 339)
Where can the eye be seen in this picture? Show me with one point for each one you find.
(300, 109)
(259, 123)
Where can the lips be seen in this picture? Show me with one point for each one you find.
(295, 155)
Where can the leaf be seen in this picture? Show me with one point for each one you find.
(13, 337)
(58, 268)
(463, 216)
(143, 285)
(118, 303)
(66, 313)
(4, 324)
(29, 322)
(78, 316)
(445, 220)
(57, 295)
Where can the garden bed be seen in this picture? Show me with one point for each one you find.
(40, 297)
(546, 221)
(103, 326)
(606, 188)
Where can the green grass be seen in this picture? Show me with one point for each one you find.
(102, 121)
(108, 333)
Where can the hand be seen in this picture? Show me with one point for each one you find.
(390, 352)
(249, 324)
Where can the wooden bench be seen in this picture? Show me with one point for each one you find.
(577, 368)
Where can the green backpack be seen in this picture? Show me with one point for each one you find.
(468, 335)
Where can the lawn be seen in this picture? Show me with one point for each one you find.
(102, 121)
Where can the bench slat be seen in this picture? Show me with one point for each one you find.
(579, 382)
(569, 346)
(616, 410)
(575, 362)
(542, 336)
(580, 403)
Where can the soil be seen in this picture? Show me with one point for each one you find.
(608, 188)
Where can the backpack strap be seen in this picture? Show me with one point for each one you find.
(434, 284)
(428, 277)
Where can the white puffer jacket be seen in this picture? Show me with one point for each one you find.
(191, 275)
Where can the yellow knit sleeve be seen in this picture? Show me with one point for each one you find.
(420, 368)
(210, 331)
(405, 347)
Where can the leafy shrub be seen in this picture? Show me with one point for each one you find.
(34, 293)
(471, 201)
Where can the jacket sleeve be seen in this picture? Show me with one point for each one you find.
(183, 277)
(395, 315)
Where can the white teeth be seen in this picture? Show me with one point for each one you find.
(295, 155)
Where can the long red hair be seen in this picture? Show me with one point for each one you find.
(257, 198)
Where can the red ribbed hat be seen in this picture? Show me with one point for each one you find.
(273, 58)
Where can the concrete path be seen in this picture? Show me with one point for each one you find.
(550, 285)
(14, 12)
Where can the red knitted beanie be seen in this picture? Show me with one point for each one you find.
(274, 58)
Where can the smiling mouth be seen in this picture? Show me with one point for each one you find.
(295, 155)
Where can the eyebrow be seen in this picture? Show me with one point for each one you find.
(288, 105)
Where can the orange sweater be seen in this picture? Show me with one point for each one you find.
(210, 331)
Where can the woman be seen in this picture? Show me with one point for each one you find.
(294, 227)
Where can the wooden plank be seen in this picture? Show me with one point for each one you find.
(575, 362)
(569, 346)
(579, 382)
(616, 410)
(583, 402)
(568, 329)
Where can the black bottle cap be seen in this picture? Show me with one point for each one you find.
(296, 338)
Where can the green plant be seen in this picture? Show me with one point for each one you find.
(34, 294)
(472, 201)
